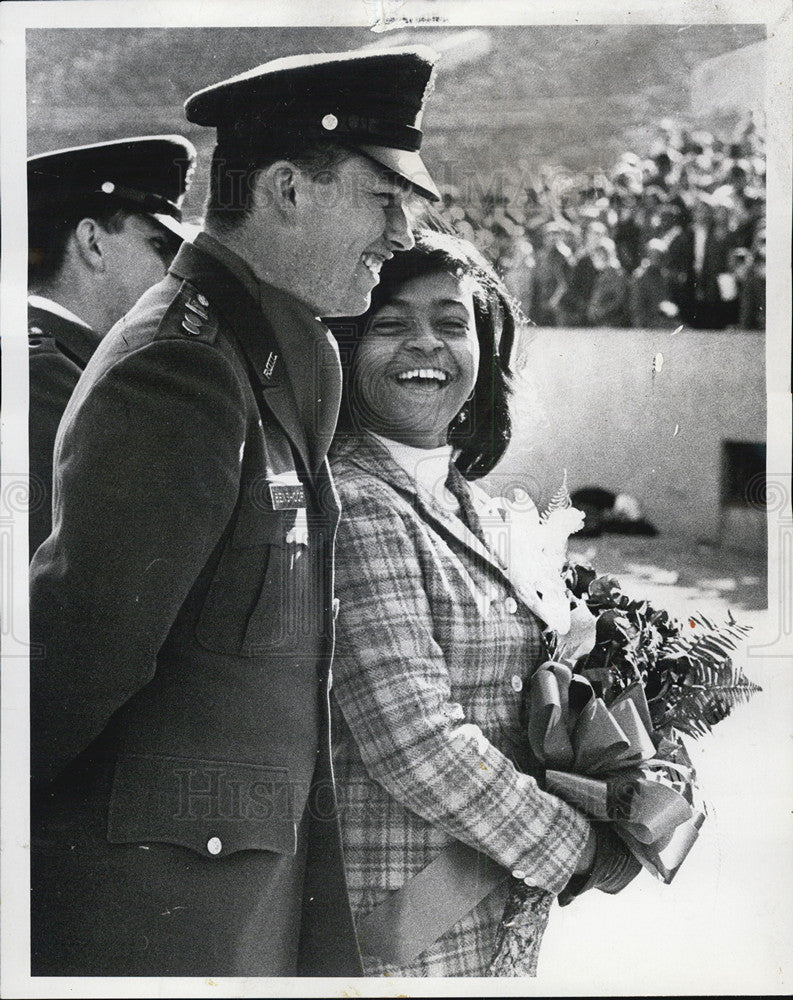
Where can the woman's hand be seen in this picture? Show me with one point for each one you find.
(611, 866)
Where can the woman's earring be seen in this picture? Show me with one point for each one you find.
(462, 416)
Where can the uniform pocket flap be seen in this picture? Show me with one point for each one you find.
(215, 808)
(258, 525)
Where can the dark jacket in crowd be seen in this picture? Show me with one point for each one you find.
(610, 303)
(580, 286)
(629, 241)
(697, 295)
(648, 289)
(550, 282)
(752, 301)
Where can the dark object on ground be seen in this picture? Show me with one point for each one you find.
(605, 511)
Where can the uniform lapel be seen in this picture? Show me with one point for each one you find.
(253, 335)
(75, 339)
(369, 454)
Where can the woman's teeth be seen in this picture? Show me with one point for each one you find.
(432, 374)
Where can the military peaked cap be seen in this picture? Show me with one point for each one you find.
(147, 173)
(371, 101)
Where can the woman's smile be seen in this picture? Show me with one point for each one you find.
(418, 361)
(424, 379)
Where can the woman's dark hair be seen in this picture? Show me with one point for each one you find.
(483, 434)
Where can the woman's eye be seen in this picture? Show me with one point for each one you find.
(387, 326)
(453, 327)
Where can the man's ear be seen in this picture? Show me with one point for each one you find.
(277, 187)
(87, 237)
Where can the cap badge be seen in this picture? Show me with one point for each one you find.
(330, 122)
(108, 187)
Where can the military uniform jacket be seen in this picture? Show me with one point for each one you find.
(181, 611)
(59, 350)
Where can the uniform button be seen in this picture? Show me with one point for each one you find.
(519, 873)
(517, 683)
(214, 845)
(202, 299)
(511, 605)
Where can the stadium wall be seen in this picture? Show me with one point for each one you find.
(649, 413)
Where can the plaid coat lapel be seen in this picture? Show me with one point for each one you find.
(370, 455)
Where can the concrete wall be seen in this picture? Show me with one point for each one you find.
(589, 401)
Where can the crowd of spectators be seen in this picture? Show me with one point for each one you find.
(675, 237)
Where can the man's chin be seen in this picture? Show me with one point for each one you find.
(353, 305)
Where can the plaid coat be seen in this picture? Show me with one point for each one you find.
(433, 649)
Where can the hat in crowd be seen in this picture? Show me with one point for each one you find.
(149, 174)
(369, 100)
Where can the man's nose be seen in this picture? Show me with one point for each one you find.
(398, 233)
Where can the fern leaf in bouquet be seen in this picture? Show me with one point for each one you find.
(686, 669)
(559, 501)
(711, 684)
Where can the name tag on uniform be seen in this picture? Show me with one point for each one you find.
(287, 496)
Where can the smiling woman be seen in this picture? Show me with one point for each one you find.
(418, 363)
(429, 361)
(435, 645)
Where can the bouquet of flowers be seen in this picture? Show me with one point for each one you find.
(623, 683)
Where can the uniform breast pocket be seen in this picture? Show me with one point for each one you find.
(247, 604)
(215, 808)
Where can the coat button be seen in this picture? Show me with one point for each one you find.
(214, 845)
(518, 873)
(517, 683)
(511, 605)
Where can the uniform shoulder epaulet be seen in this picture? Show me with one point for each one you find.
(39, 341)
(191, 316)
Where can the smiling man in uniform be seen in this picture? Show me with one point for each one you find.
(184, 818)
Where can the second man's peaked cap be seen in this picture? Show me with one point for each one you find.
(148, 173)
(369, 100)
